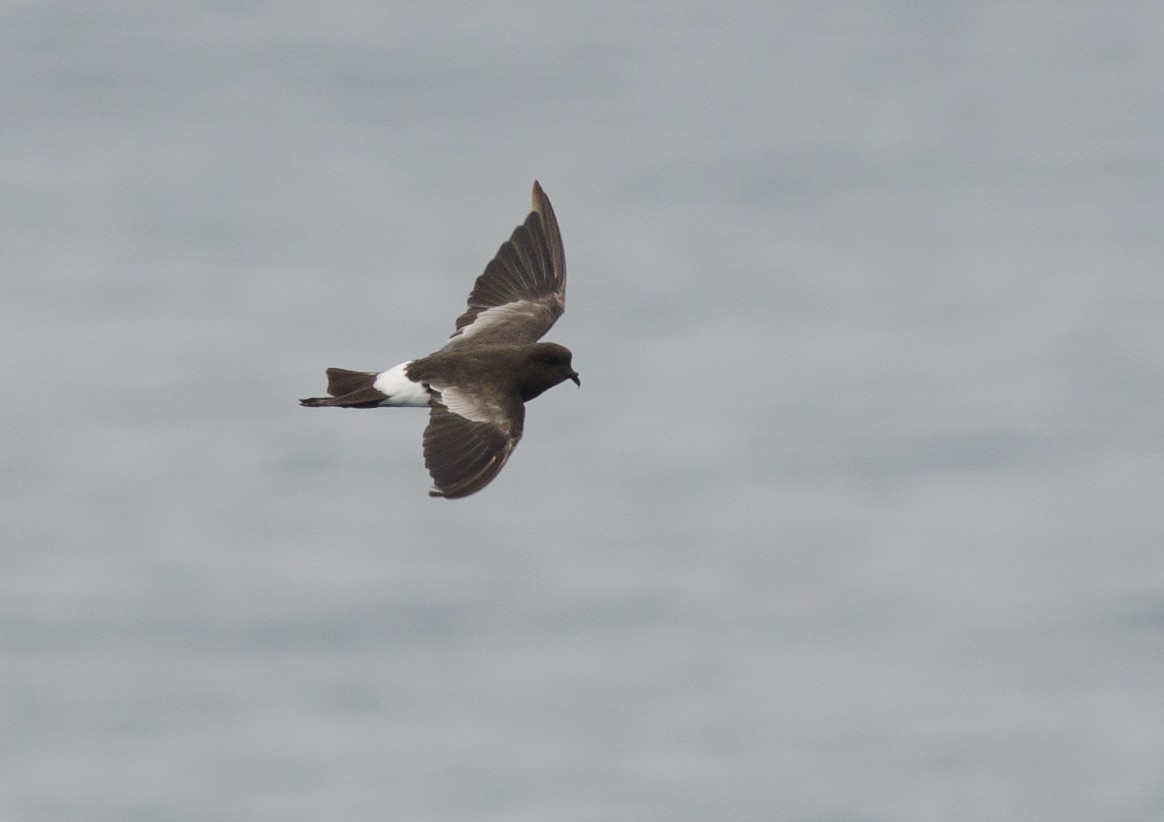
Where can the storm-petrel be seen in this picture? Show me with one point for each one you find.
(477, 384)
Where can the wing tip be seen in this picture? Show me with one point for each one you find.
(553, 234)
(437, 493)
(540, 200)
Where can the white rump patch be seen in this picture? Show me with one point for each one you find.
(400, 389)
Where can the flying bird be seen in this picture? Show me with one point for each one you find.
(477, 384)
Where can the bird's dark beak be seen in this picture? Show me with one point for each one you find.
(577, 380)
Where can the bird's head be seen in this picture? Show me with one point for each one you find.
(547, 364)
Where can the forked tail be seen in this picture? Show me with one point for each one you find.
(348, 389)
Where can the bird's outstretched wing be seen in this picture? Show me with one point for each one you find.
(468, 439)
(523, 288)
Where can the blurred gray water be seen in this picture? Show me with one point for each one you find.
(857, 516)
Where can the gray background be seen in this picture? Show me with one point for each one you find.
(856, 517)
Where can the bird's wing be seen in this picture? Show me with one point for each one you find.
(469, 437)
(523, 288)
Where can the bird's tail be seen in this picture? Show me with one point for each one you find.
(348, 389)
